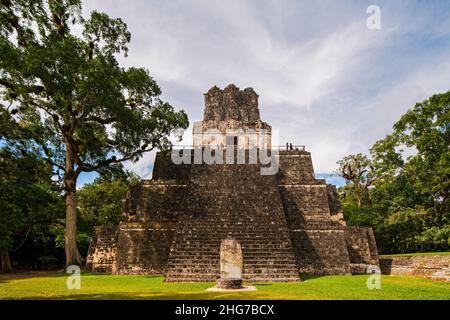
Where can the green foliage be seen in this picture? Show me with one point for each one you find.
(419, 254)
(102, 201)
(358, 171)
(400, 230)
(71, 100)
(57, 229)
(99, 203)
(70, 89)
(435, 238)
(29, 201)
(424, 132)
(355, 215)
(407, 202)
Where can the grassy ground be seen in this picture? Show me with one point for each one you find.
(96, 286)
(415, 254)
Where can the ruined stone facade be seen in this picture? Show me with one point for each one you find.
(286, 224)
(435, 266)
(228, 112)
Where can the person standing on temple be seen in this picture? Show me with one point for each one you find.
(290, 146)
(287, 146)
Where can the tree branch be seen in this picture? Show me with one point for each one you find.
(90, 168)
(101, 120)
(37, 89)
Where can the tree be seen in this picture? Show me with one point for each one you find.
(359, 172)
(409, 176)
(102, 202)
(84, 111)
(28, 198)
(419, 150)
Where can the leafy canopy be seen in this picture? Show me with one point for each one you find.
(61, 81)
(403, 189)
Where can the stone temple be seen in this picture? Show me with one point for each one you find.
(287, 224)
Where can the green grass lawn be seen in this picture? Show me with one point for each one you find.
(97, 286)
(415, 254)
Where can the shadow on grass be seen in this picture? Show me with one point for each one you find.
(147, 296)
(304, 277)
(62, 273)
(5, 277)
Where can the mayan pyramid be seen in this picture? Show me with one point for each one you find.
(287, 223)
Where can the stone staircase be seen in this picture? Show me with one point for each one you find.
(318, 241)
(239, 203)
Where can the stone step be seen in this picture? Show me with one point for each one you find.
(246, 278)
(281, 249)
(248, 207)
(196, 266)
(247, 258)
(215, 255)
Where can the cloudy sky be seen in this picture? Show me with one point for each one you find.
(324, 79)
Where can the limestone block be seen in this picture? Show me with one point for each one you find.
(231, 261)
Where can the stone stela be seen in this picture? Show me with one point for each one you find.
(286, 223)
(231, 264)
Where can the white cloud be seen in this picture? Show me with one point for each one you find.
(143, 167)
(324, 79)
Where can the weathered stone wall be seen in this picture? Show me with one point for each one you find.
(153, 208)
(165, 169)
(333, 200)
(141, 245)
(226, 112)
(436, 267)
(162, 200)
(102, 249)
(361, 248)
(309, 201)
(159, 199)
(296, 168)
(231, 104)
(155, 200)
(318, 241)
(321, 252)
(143, 248)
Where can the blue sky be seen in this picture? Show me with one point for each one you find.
(323, 78)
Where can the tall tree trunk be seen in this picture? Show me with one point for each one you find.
(73, 256)
(359, 196)
(4, 257)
